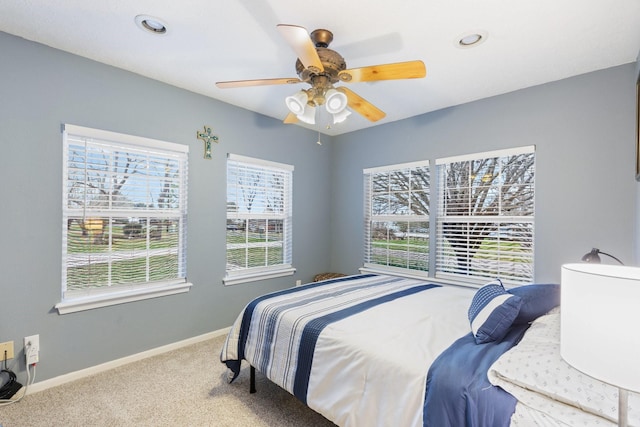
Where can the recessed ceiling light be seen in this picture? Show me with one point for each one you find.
(151, 24)
(471, 39)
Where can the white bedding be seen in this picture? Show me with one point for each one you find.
(387, 369)
(549, 390)
(380, 391)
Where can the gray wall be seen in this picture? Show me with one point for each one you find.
(584, 132)
(41, 88)
(583, 128)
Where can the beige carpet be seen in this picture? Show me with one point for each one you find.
(185, 387)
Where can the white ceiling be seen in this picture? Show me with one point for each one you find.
(528, 43)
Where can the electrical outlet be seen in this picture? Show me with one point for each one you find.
(298, 282)
(32, 349)
(8, 347)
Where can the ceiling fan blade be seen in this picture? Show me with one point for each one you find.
(362, 106)
(259, 82)
(398, 70)
(290, 119)
(298, 38)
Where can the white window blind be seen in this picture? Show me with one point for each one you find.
(485, 222)
(259, 219)
(397, 217)
(124, 213)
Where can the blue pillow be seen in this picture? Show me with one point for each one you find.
(537, 300)
(492, 312)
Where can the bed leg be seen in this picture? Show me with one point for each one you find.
(252, 380)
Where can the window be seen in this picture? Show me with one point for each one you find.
(397, 217)
(486, 216)
(258, 219)
(124, 218)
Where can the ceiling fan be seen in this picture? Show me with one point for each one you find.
(322, 67)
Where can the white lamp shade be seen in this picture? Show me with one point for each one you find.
(297, 102)
(341, 116)
(309, 115)
(335, 101)
(600, 309)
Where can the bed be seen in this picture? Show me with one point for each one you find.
(377, 350)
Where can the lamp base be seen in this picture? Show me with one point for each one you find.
(623, 403)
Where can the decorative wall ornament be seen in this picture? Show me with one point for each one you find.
(207, 136)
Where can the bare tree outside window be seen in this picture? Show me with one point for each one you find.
(125, 214)
(485, 221)
(258, 215)
(397, 218)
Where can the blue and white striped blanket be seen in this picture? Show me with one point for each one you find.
(355, 349)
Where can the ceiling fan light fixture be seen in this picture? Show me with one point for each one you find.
(335, 101)
(151, 24)
(321, 67)
(297, 102)
(308, 115)
(341, 116)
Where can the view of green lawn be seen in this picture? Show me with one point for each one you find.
(411, 252)
(253, 248)
(100, 257)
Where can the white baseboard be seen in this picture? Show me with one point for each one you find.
(76, 375)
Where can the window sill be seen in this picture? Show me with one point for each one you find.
(372, 269)
(235, 279)
(391, 271)
(113, 298)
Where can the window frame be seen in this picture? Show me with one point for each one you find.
(370, 217)
(503, 222)
(90, 298)
(249, 274)
(436, 183)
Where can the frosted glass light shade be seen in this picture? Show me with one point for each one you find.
(308, 116)
(335, 101)
(599, 318)
(341, 116)
(297, 102)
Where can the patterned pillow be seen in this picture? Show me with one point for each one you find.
(492, 312)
